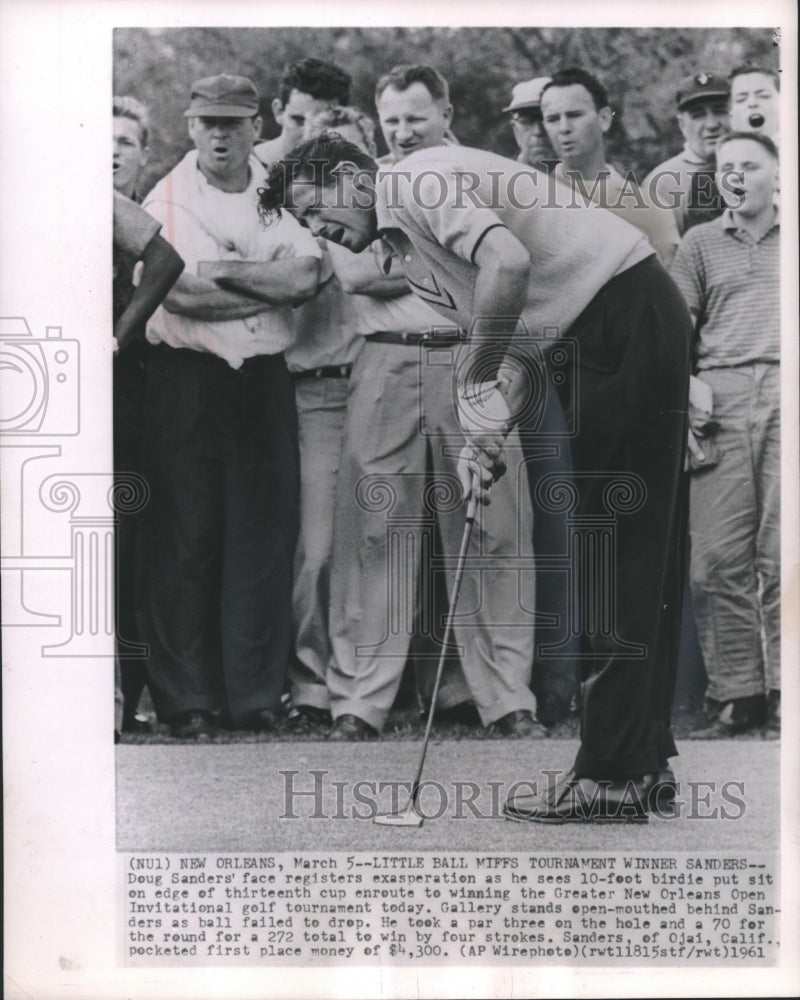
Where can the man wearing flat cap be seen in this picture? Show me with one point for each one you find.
(220, 429)
(685, 183)
(526, 121)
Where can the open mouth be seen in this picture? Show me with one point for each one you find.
(756, 120)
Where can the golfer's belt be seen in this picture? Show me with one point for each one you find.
(326, 371)
(414, 338)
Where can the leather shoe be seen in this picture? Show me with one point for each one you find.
(267, 720)
(351, 728)
(196, 724)
(519, 725)
(463, 714)
(132, 723)
(773, 726)
(738, 715)
(584, 800)
(309, 719)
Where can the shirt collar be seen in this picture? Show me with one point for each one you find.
(729, 223)
(690, 156)
(385, 251)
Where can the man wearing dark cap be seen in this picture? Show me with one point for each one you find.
(220, 429)
(526, 121)
(685, 183)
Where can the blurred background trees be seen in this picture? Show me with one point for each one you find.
(640, 68)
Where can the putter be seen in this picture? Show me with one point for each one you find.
(409, 816)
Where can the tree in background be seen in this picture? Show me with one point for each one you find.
(640, 68)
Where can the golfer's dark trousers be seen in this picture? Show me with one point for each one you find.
(622, 511)
(221, 454)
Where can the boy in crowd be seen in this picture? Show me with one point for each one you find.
(755, 95)
(729, 273)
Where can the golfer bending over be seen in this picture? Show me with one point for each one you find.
(536, 283)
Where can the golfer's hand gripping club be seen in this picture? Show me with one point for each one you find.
(485, 418)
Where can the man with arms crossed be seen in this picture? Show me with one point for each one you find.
(451, 218)
(220, 435)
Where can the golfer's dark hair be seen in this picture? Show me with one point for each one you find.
(572, 75)
(748, 68)
(316, 162)
(402, 77)
(321, 80)
(124, 106)
(762, 140)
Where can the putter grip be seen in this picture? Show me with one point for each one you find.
(472, 505)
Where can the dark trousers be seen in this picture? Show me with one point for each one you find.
(624, 508)
(221, 451)
(129, 388)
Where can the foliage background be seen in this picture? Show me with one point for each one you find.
(640, 68)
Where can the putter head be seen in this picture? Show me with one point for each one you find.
(406, 817)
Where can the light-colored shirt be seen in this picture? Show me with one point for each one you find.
(326, 334)
(436, 206)
(684, 185)
(731, 283)
(204, 223)
(271, 150)
(622, 196)
(400, 314)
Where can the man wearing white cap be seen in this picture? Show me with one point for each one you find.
(526, 121)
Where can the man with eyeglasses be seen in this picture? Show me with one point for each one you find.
(526, 121)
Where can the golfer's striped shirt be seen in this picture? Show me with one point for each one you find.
(732, 283)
